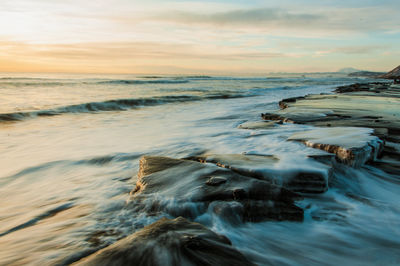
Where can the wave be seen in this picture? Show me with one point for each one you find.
(61, 82)
(114, 105)
(39, 84)
(21, 81)
(37, 219)
(198, 77)
(134, 81)
(143, 80)
(21, 78)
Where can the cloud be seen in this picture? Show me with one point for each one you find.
(131, 51)
(120, 34)
(351, 50)
(128, 57)
(261, 16)
(360, 19)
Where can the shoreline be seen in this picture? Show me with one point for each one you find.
(360, 105)
(240, 188)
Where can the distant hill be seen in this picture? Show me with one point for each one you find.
(353, 72)
(368, 74)
(348, 70)
(393, 74)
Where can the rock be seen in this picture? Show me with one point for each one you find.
(215, 181)
(346, 109)
(283, 103)
(367, 105)
(273, 117)
(368, 74)
(393, 74)
(257, 125)
(269, 168)
(187, 188)
(169, 242)
(352, 146)
(296, 115)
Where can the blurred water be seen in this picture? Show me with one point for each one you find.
(70, 147)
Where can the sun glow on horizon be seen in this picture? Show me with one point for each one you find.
(213, 37)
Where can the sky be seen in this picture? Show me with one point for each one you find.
(198, 37)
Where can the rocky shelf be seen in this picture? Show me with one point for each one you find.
(190, 188)
(370, 106)
(358, 124)
(169, 242)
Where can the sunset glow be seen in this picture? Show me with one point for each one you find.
(217, 37)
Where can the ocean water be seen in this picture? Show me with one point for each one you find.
(70, 148)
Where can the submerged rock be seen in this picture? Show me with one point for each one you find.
(169, 242)
(269, 168)
(352, 146)
(188, 188)
(257, 125)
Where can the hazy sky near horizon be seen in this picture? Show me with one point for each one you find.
(211, 36)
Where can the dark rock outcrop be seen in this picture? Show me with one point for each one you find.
(368, 74)
(169, 242)
(266, 167)
(189, 188)
(393, 74)
(373, 87)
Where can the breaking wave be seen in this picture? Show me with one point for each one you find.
(114, 105)
(153, 81)
(32, 82)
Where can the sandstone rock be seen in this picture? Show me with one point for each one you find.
(353, 146)
(367, 105)
(187, 188)
(169, 242)
(267, 167)
(257, 125)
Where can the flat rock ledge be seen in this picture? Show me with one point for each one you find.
(258, 125)
(169, 242)
(366, 105)
(188, 188)
(352, 146)
(269, 168)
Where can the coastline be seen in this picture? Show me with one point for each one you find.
(369, 105)
(234, 186)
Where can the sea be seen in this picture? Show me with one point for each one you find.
(70, 147)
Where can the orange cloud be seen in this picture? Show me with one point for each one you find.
(125, 57)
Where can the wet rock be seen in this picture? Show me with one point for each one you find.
(308, 183)
(272, 117)
(368, 74)
(353, 88)
(269, 168)
(215, 181)
(187, 188)
(295, 115)
(367, 105)
(346, 109)
(169, 242)
(257, 125)
(352, 146)
(325, 158)
(284, 103)
(229, 211)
